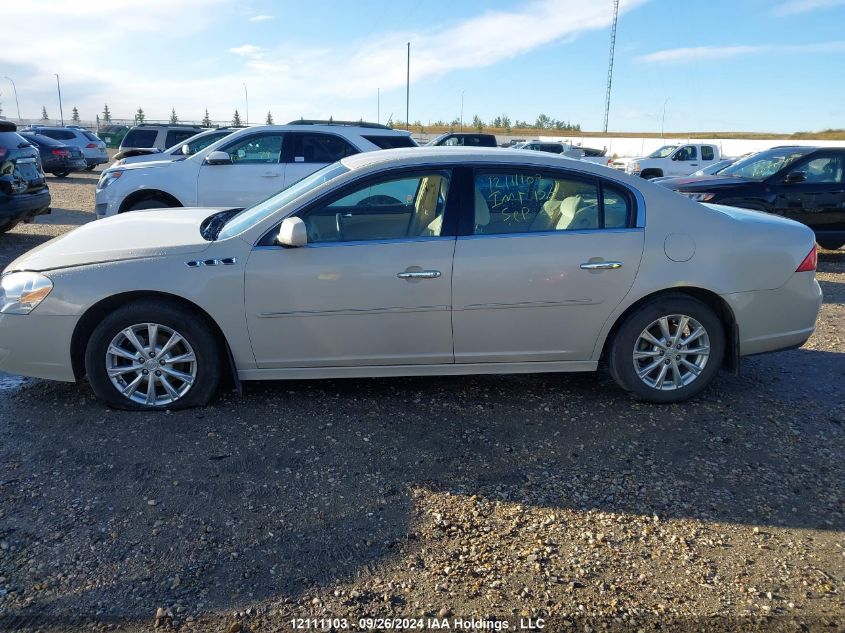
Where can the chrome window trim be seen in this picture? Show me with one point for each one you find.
(399, 240)
(549, 233)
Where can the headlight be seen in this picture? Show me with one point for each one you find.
(108, 178)
(633, 167)
(21, 292)
(698, 197)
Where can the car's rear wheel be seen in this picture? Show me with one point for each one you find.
(668, 349)
(90, 168)
(153, 355)
(831, 245)
(651, 173)
(61, 174)
(8, 226)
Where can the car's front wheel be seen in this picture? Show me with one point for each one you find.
(153, 355)
(668, 349)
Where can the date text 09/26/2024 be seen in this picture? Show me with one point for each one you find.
(418, 624)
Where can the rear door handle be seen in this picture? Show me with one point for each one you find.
(419, 274)
(270, 174)
(601, 265)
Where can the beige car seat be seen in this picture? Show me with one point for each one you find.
(425, 206)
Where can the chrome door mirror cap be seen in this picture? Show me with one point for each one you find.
(292, 233)
(218, 158)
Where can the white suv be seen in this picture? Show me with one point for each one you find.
(242, 168)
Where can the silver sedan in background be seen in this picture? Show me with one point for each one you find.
(432, 261)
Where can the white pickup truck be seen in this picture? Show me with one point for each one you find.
(674, 160)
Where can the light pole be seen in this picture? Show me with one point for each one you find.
(15, 88)
(378, 105)
(246, 96)
(462, 110)
(663, 119)
(408, 89)
(59, 88)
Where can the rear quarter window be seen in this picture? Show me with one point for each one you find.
(140, 138)
(391, 142)
(707, 153)
(91, 137)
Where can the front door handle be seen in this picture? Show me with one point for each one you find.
(419, 274)
(601, 265)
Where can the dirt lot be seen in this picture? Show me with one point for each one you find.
(488, 499)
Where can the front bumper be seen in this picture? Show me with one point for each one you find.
(37, 345)
(772, 320)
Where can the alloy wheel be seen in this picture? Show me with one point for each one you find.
(671, 352)
(151, 364)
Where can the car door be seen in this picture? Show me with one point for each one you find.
(541, 264)
(254, 172)
(684, 161)
(818, 199)
(306, 152)
(371, 287)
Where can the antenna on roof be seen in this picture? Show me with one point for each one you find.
(610, 63)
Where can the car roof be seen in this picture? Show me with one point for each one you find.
(426, 155)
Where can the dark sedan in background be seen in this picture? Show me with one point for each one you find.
(23, 187)
(56, 157)
(806, 184)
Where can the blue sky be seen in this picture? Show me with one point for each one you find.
(751, 65)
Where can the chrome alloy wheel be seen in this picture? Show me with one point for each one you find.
(671, 352)
(151, 364)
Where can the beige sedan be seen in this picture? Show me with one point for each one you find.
(433, 261)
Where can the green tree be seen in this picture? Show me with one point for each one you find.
(543, 122)
(477, 123)
(269, 120)
(206, 120)
(74, 115)
(140, 117)
(106, 113)
(506, 123)
(44, 116)
(236, 119)
(173, 117)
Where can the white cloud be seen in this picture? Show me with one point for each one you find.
(261, 18)
(249, 50)
(794, 7)
(710, 53)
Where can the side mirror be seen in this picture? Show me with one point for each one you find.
(218, 158)
(186, 149)
(793, 178)
(292, 233)
(676, 157)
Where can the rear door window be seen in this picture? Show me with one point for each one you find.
(175, 137)
(320, 148)
(59, 135)
(707, 153)
(140, 138)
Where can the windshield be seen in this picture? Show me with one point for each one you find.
(257, 212)
(764, 164)
(663, 152)
(436, 139)
(199, 142)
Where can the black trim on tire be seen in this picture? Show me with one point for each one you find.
(198, 333)
(620, 353)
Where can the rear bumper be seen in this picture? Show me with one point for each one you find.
(772, 320)
(24, 205)
(36, 345)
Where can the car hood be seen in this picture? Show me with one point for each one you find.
(134, 235)
(704, 183)
(144, 164)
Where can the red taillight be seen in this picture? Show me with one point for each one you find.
(61, 152)
(91, 146)
(609, 162)
(810, 261)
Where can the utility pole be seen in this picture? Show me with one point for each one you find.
(610, 63)
(408, 90)
(15, 88)
(462, 110)
(59, 87)
(663, 119)
(246, 97)
(378, 105)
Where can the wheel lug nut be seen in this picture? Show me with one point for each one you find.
(158, 373)
(161, 362)
(144, 372)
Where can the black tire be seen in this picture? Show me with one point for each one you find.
(194, 329)
(90, 168)
(8, 226)
(621, 348)
(61, 174)
(651, 173)
(831, 245)
(152, 202)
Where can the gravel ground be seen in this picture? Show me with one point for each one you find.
(487, 499)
